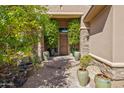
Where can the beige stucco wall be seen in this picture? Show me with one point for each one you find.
(67, 11)
(106, 41)
(101, 29)
(118, 34)
(67, 8)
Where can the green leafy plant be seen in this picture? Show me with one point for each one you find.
(74, 33)
(84, 61)
(19, 30)
(51, 34)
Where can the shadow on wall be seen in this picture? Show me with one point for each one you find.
(98, 26)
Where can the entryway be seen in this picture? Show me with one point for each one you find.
(59, 72)
(63, 43)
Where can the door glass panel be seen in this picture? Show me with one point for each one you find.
(63, 30)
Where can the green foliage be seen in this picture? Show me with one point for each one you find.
(19, 30)
(85, 60)
(74, 32)
(51, 34)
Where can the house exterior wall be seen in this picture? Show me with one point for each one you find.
(67, 8)
(106, 35)
(63, 23)
(106, 41)
(118, 34)
(100, 42)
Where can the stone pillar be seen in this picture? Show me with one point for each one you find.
(40, 46)
(84, 44)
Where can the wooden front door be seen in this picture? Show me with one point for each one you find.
(63, 43)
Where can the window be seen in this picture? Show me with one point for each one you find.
(63, 30)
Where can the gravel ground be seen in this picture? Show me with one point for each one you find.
(60, 72)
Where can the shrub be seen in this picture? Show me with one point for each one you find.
(74, 33)
(51, 34)
(19, 30)
(85, 60)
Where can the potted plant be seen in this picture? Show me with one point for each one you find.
(51, 36)
(74, 37)
(83, 75)
(102, 81)
(77, 55)
(46, 55)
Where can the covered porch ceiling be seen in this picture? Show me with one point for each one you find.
(66, 11)
(65, 15)
(93, 12)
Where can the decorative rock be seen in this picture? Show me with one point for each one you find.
(105, 69)
(38, 75)
(93, 70)
(74, 63)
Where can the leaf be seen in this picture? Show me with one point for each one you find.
(74, 31)
(19, 29)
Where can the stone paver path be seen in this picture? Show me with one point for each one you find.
(60, 72)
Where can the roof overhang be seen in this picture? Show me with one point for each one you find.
(93, 12)
(65, 14)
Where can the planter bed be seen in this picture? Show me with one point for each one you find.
(15, 76)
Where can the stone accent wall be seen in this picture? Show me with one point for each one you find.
(118, 84)
(104, 68)
(40, 48)
(118, 73)
(115, 73)
(84, 45)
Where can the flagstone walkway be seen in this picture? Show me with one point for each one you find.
(59, 72)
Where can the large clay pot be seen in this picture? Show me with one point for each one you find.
(52, 52)
(46, 55)
(77, 55)
(83, 77)
(102, 81)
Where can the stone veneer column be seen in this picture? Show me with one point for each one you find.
(84, 44)
(40, 46)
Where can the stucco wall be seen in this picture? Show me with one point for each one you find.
(68, 8)
(118, 34)
(100, 42)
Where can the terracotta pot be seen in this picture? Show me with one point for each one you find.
(83, 77)
(77, 55)
(102, 81)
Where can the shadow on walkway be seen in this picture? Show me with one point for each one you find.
(54, 74)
